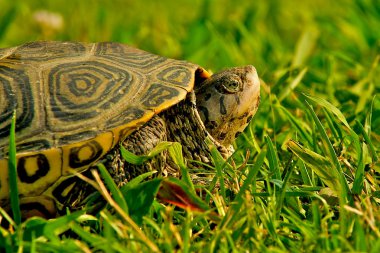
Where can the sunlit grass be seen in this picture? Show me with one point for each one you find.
(304, 177)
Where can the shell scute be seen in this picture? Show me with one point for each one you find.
(74, 102)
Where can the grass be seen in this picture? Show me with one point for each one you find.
(305, 176)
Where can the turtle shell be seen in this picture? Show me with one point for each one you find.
(74, 102)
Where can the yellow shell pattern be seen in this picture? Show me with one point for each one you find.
(74, 102)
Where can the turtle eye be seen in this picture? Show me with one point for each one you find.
(232, 84)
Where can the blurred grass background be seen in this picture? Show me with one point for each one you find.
(338, 41)
(212, 33)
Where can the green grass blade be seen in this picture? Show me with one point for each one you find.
(359, 173)
(306, 178)
(34, 227)
(250, 179)
(12, 170)
(292, 85)
(53, 228)
(116, 193)
(305, 46)
(368, 141)
(131, 157)
(7, 217)
(316, 215)
(137, 180)
(368, 118)
(273, 160)
(334, 128)
(96, 241)
(375, 247)
(298, 125)
(330, 107)
(219, 163)
(359, 237)
(319, 164)
(140, 198)
(7, 20)
(140, 159)
(284, 187)
(175, 151)
(344, 193)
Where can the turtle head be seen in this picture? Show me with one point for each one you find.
(227, 100)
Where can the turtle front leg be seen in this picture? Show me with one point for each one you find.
(141, 142)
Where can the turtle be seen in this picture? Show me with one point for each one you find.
(76, 103)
